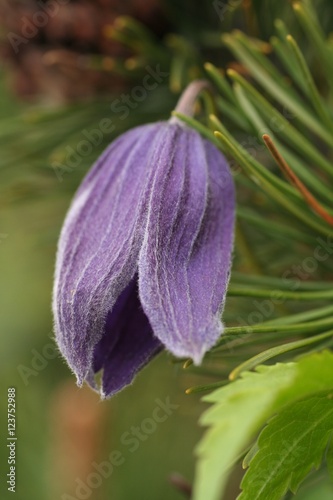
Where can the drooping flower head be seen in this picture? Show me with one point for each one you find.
(144, 255)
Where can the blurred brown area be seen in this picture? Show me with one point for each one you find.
(50, 47)
(77, 424)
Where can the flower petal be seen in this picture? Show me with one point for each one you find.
(99, 245)
(185, 259)
(127, 344)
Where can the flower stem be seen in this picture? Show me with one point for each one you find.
(186, 103)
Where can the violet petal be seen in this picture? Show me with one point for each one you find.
(99, 245)
(185, 259)
(127, 344)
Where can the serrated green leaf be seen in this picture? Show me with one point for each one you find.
(292, 444)
(241, 408)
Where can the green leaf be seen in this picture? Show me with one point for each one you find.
(272, 227)
(243, 291)
(282, 126)
(299, 166)
(273, 352)
(292, 444)
(269, 183)
(308, 19)
(241, 408)
(312, 90)
(276, 87)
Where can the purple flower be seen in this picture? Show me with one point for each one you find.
(144, 255)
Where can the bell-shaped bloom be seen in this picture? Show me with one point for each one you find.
(144, 255)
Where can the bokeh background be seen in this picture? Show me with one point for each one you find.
(61, 74)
